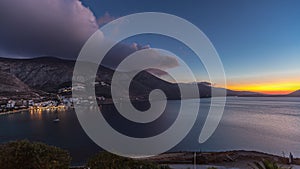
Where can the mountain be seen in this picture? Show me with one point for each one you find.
(10, 83)
(295, 94)
(39, 73)
(12, 87)
(48, 74)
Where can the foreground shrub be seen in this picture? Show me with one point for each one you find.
(32, 155)
(266, 164)
(106, 160)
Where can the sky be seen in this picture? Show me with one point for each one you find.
(258, 41)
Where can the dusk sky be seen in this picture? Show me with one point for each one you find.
(257, 41)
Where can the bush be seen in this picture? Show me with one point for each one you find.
(106, 160)
(266, 164)
(28, 155)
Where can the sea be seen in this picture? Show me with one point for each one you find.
(266, 124)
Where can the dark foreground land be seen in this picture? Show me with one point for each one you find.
(238, 159)
(223, 160)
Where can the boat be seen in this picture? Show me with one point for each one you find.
(56, 119)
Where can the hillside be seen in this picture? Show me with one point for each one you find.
(41, 73)
(48, 74)
(295, 94)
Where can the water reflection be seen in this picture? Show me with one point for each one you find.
(248, 123)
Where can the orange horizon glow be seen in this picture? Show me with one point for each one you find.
(267, 87)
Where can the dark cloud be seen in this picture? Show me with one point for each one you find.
(120, 51)
(44, 27)
(59, 28)
(136, 46)
(106, 18)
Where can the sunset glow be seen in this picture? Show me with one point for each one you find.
(268, 88)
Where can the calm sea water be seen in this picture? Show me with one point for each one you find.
(264, 124)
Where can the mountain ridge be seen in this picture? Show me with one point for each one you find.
(295, 93)
(48, 74)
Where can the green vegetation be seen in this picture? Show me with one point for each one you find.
(266, 164)
(28, 155)
(106, 160)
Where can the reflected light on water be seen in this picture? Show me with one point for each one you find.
(37, 112)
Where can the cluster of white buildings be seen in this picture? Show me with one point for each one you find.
(13, 105)
(64, 99)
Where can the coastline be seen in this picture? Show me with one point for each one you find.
(235, 158)
(28, 109)
(14, 111)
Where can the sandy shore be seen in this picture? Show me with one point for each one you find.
(223, 160)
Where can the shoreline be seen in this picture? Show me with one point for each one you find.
(234, 158)
(237, 159)
(28, 109)
(13, 111)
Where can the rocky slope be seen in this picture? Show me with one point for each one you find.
(40, 73)
(48, 74)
